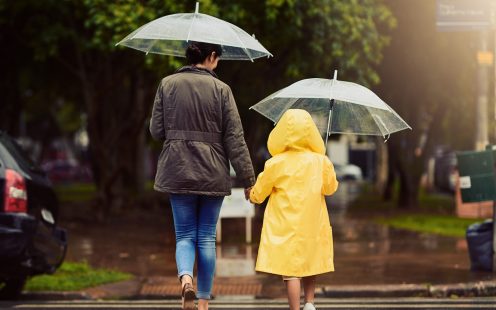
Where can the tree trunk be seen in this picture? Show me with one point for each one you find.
(409, 189)
(410, 165)
(382, 165)
(388, 192)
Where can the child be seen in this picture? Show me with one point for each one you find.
(296, 239)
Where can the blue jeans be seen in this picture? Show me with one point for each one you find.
(195, 223)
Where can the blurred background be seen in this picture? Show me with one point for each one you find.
(80, 106)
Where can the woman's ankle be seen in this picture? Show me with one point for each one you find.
(186, 278)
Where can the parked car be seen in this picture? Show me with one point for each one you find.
(31, 243)
(348, 172)
(65, 170)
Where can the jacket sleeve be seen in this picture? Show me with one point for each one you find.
(157, 129)
(264, 185)
(234, 141)
(330, 183)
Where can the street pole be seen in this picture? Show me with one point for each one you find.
(494, 236)
(493, 22)
(482, 139)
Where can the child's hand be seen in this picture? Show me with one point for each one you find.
(247, 192)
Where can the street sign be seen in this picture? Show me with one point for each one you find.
(464, 15)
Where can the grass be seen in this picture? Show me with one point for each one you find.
(84, 192)
(435, 203)
(73, 276)
(450, 226)
(434, 214)
(76, 192)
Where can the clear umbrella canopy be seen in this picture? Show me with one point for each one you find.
(169, 35)
(336, 107)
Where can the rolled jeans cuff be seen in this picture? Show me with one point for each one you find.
(189, 273)
(203, 295)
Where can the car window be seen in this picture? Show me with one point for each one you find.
(17, 153)
(7, 158)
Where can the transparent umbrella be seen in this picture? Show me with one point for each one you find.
(336, 107)
(169, 35)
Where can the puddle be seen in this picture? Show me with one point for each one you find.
(365, 253)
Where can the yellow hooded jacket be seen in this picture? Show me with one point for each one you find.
(296, 235)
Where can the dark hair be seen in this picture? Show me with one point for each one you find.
(197, 52)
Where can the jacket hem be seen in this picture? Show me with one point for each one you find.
(189, 191)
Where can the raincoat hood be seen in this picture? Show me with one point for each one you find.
(295, 131)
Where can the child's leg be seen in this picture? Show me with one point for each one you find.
(293, 289)
(309, 288)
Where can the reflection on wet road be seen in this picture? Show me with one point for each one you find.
(365, 253)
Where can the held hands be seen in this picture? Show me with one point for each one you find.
(247, 192)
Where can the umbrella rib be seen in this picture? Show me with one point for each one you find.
(377, 117)
(243, 45)
(151, 46)
(397, 115)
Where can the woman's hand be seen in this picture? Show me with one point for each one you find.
(247, 192)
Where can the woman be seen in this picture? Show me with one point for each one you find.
(195, 114)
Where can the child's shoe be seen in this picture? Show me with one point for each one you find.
(309, 306)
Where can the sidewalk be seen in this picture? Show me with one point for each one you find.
(370, 260)
(254, 288)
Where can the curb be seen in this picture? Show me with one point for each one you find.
(46, 296)
(474, 289)
(388, 290)
(130, 290)
(470, 289)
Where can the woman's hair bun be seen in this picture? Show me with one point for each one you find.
(197, 52)
(193, 54)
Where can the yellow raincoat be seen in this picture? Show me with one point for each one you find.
(296, 235)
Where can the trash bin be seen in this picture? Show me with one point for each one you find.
(480, 245)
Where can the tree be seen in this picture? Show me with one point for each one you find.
(428, 78)
(308, 39)
(73, 43)
(111, 83)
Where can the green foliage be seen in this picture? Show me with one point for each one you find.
(441, 225)
(307, 38)
(322, 35)
(75, 276)
(69, 55)
(112, 21)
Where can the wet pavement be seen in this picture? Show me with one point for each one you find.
(323, 304)
(142, 243)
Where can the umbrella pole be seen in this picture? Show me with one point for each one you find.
(331, 104)
(197, 9)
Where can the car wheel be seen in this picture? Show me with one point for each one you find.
(11, 289)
